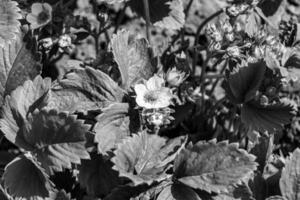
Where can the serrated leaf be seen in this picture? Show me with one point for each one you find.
(85, 89)
(112, 126)
(9, 21)
(242, 192)
(213, 167)
(59, 195)
(58, 139)
(267, 118)
(24, 99)
(3, 194)
(24, 177)
(275, 198)
(273, 10)
(252, 24)
(289, 181)
(166, 14)
(144, 158)
(133, 57)
(243, 82)
(126, 192)
(178, 192)
(262, 150)
(17, 64)
(97, 176)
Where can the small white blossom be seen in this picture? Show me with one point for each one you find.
(153, 94)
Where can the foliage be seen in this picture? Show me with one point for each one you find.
(148, 99)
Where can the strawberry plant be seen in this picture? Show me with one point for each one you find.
(149, 100)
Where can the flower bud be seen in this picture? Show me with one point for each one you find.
(46, 43)
(210, 29)
(233, 51)
(264, 100)
(230, 37)
(226, 27)
(271, 91)
(215, 46)
(156, 119)
(64, 41)
(174, 77)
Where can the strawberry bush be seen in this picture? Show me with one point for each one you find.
(149, 100)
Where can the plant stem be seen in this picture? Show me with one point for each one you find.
(147, 14)
(202, 25)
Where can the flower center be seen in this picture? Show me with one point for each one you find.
(151, 96)
(43, 17)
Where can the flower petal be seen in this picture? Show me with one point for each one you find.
(31, 18)
(140, 101)
(140, 89)
(47, 8)
(36, 8)
(155, 83)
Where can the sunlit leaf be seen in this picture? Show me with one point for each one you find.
(289, 181)
(85, 89)
(213, 167)
(112, 126)
(9, 21)
(163, 13)
(17, 64)
(57, 138)
(144, 158)
(24, 99)
(133, 57)
(24, 177)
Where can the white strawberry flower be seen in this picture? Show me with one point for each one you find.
(153, 94)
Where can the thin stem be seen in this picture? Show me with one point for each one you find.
(202, 25)
(217, 81)
(147, 14)
(120, 18)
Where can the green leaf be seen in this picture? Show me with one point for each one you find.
(243, 82)
(85, 89)
(289, 181)
(213, 167)
(145, 158)
(273, 10)
(58, 139)
(166, 14)
(97, 176)
(9, 21)
(24, 177)
(126, 192)
(263, 150)
(242, 192)
(133, 57)
(275, 198)
(59, 195)
(267, 118)
(252, 24)
(112, 126)
(21, 101)
(178, 192)
(17, 64)
(3, 194)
